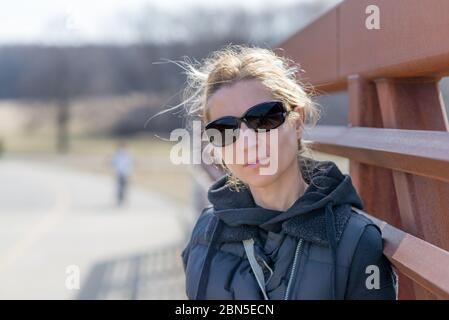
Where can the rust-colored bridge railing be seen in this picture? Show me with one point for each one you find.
(397, 139)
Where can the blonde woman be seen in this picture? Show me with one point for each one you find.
(291, 234)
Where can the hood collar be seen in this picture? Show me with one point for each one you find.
(327, 186)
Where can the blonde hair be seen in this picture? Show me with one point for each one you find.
(235, 63)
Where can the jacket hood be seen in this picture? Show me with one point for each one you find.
(327, 186)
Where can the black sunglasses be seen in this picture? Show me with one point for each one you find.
(263, 116)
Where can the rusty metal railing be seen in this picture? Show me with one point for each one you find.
(397, 138)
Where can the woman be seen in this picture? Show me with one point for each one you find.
(291, 234)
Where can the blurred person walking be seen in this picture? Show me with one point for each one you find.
(122, 163)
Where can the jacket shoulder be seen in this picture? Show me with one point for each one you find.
(359, 221)
(355, 227)
(199, 232)
(365, 231)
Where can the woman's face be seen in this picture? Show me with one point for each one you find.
(281, 151)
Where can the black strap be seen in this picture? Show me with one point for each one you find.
(332, 239)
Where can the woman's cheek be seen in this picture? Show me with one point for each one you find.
(231, 155)
(287, 146)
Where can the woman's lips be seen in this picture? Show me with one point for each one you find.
(255, 164)
(252, 165)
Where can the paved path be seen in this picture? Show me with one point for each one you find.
(52, 218)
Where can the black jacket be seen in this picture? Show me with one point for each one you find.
(318, 249)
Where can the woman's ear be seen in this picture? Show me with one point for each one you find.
(299, 121)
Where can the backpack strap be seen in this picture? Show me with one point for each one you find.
(257, 270)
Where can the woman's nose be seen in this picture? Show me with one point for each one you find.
(247, 137)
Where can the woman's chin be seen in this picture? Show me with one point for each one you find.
(257, 180)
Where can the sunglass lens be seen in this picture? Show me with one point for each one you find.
(266, 116)
(223, 131)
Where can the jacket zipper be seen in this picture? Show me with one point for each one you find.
(298, 252)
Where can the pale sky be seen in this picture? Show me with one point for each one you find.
(93, 21)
